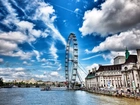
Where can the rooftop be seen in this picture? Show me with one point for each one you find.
(131, 59)
(90, 75)
(119, 57)
(109, 67)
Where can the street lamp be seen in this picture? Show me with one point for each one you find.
(126, 76)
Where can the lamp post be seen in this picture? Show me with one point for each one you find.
(126, 76)
(133, 82)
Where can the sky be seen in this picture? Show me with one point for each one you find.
(34, 34)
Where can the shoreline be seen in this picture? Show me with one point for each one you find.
(114, 94)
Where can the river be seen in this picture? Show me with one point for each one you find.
(33, 96)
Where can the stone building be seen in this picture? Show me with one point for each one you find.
(119, 60)
(124, 73)
(91, 80)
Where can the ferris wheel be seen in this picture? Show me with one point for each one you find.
(71, 61)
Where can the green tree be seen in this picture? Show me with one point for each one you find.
(1, 82)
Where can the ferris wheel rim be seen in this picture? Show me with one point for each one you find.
(71, 80)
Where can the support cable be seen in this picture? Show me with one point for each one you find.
(82, 67)
(82, 70)
(79, 77)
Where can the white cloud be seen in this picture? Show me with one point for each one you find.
(56, 34)
(76, 10)
(25, 62)
(120, 42)
(9, 44)
(87, 51)
(65, 23)
(59, 67)
(23, 25)
(15, 37)
(26, 25)
(11, 17)
(23, 55)
(18, 74)
(45, 33)
(13, 73)
(117, 44)
(54, 73)
(94, 56)
(52, 76)
(46, 66)
(110, 19)
(10, 40)
(46, 13)
(110, 56)
(22, 74)
(90, 67)
(43, 60)
(6, 46)
(1, 60)
(53, 51)
(19, 69)
(37, 55)
(25, 31)
(42, 77)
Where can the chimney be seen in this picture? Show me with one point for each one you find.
(92, 69)
(89, 71)
(138, 56)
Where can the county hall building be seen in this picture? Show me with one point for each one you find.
(124, 73)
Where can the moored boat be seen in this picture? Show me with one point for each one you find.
(46, 88)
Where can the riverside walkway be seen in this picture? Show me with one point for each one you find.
(116, 93)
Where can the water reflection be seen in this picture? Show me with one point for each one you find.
(33, 96)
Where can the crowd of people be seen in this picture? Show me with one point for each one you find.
(120, 92)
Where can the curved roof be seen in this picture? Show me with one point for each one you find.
(90, 75)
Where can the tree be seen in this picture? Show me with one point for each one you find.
(1, 82)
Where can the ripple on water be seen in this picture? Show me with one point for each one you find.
(33, 96)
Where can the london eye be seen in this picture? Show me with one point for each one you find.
(71, 61)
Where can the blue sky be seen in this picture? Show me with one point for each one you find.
(33, 35)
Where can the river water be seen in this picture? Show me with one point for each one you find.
(33, 96)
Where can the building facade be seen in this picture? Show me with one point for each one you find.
(124, 73)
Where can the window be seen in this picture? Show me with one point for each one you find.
(125, 68)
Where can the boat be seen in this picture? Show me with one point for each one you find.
(14, 86)
(46, 88)
(8, 86)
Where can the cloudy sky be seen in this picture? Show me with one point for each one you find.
(33, 34)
